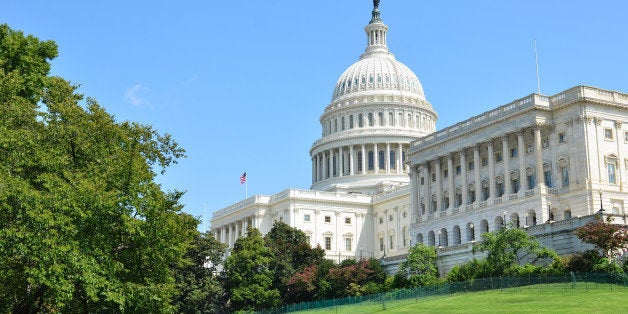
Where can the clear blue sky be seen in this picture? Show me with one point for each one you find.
(241, 84)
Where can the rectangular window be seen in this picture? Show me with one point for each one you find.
(484, 161)
(327, 218)
(529, 148)
(433, 177)
(561, 137)
(531, 182)
(458, 169)
(328, 243)
(348, 220)
(306, 217)
(513, 152)
(390, 242)
(347, 244)
(548, 178)
(445, 173)
(381, 244)
(608, 134)
(565, 176)
(498, 157)
(422, 180)
(390, 218)
(470, 165)
(545, 142)
(371, 160)
(611, 172)
(308, 239)
(515, 185)
(381, 220)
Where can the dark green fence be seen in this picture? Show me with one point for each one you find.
(505, 284)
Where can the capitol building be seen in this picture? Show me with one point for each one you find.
(383, 177)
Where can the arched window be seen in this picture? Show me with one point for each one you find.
(470, 232)
(514, 219)
(342, 123)
(380, 117)
(393, 161)
(391, 119)
(443, 238)
(404, 234)
(335, 125)
(401, 120)
(483, 226)
(351, 122)
(381, 161)
(563, 165)
(409, 123)
(371, 160)
(334, 166)
(547, 175)
(360, 121)
(419, 238)
(567, 214)
(431, 239)
(456, 235)
(370, 119)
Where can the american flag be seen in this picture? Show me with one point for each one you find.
(243, 178)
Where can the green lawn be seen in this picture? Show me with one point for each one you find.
(554, 298)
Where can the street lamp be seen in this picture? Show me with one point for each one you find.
(439, 238)
(472, 231)
(601, 211)
(526, 225)
(549, 212)
(504, 220)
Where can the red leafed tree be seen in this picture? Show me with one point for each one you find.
(302, 284)
(604, 236)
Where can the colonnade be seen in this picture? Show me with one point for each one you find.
(358, 159)
(230, 232)
(474, 185)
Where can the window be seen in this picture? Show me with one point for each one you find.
(608, 134)
(470, 165)
(306, 217)
(391, 119)
(498, 157)
(348, 220)
(531, 182)
(390, 242)
(513, 152)
(529, 148)
(445, 202)
(548, 178)
(308, 239)
(335, 125)
(500, 189)
(381, 161)
(390, 218)
(485, 192)
(328, 243)
(484, 161)
(445, 173)
(347, 244)
(380, 118)
(626, 137)
(371, 160)
(381, 220)
(381, 244)
(404, 214)
(471, 196)
(433, 177)
(360, 162)
(422, 181)
(458, 169)
(610, 166)
(351, 122)
(515, 185)
(370, 119)
(564, 170)
(393, 160)
(360, 123)
(327, 218)
(561, 137)
(342, 123)
(545, 142)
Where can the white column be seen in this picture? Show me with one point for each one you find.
(463, 173)
(363, 158)
(313, 168)
(414, 184)
(237, 230)
(439, 184)
(476, 168)
(400, 158)
(620, 152)
(506, 161)
(521, 151)
(351, 161)
(428, 188)
(375, 158)
(538, 157)
(491, 170)
(319, 171)
(331, 164)
(387, 158)
(340, 162)
(450, 179)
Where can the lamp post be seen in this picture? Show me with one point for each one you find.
(601, 211)
(526, 225)
(472, 231)
(439, 238)
(549, 212)
(504, 220)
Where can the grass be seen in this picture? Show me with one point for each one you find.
(547, 298)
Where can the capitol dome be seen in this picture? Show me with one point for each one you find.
(377, 109)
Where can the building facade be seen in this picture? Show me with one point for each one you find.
(384, 179)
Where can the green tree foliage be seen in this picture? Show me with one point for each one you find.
(249, 278)
(83, 225)
(511, 247)
(606, 237)
(200, 288)
(291, 253)
(419, 269)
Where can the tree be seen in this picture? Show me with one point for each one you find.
(248, 274)
(291, 253)
(606, 237)
(511, 247)
(84, 227)
(419, 269)
(200, 289)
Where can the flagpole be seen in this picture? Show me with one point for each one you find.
(536, 58)
(246, 187)
(205, 217)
